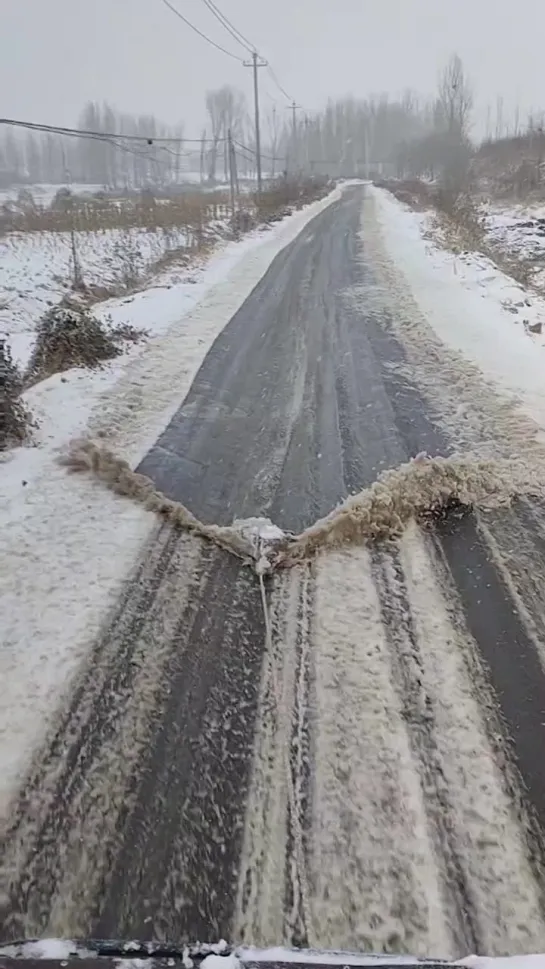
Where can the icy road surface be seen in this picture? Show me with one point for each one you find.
(375, 780)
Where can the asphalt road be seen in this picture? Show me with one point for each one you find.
(377, 778)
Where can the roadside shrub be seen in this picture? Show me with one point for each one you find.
(69, 336)
(129, 259)
(15, 421)
(282, 196)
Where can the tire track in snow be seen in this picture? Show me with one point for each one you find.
(518, 552)
(489, 822)
(298, 916)
(374, 871)
(177, 873)
(418, 835)
(419, 715)
(260, 908)
(65, 834)
(504, 629)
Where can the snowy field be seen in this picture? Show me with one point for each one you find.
(520, 230)
(36, 271)
(65, 545)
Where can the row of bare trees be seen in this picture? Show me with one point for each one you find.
(348, 136)
(406, 136)
(43, 157)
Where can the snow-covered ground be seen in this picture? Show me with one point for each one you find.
(36, 270)
(221, 957)
(66, 545)
(519, 229)
(472, 305)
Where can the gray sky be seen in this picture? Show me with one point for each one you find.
(56, 54)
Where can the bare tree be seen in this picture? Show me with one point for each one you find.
(453, 121)
(226, 109)
(499, 117)
(455, 97)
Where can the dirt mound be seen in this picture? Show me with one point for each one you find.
(15, 421)
(69, 336)
(424, 487)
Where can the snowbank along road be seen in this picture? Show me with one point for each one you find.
(374, 778)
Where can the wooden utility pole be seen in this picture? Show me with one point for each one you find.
(307, 146)
(293, 107)
(232, 175)
(78, 279)
(256, 62)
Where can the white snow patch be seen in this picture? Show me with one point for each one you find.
(472, 306)
(66, 545)
(221, 962)
(519, 228)
(262, 537)
(136, 963)
(504, 962)
(45, 949)
(63, 949)
(314, 956)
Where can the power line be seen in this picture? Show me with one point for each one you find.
(256, 62)
(113, 140)
(225, 22)
(199, 32)
(86, 133)
(146, 155)
(243, 40)
(252, 151)
(278, 84)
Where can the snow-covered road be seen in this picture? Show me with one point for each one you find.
(66, 547)
(367, 777)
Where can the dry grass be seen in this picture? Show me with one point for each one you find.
(280, 198)
(193, 211)
(512, 168)
(197, 212)
(464, 229)
(418, 195)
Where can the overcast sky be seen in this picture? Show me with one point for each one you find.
(56, 54)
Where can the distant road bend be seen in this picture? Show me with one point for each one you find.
(376, 779)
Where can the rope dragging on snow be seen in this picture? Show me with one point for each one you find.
(421, 488)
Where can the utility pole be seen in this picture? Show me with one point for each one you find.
(78, 280)
(202, 159)
(294, 108)
(231, 157)
(256, 62)
(307, 146)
